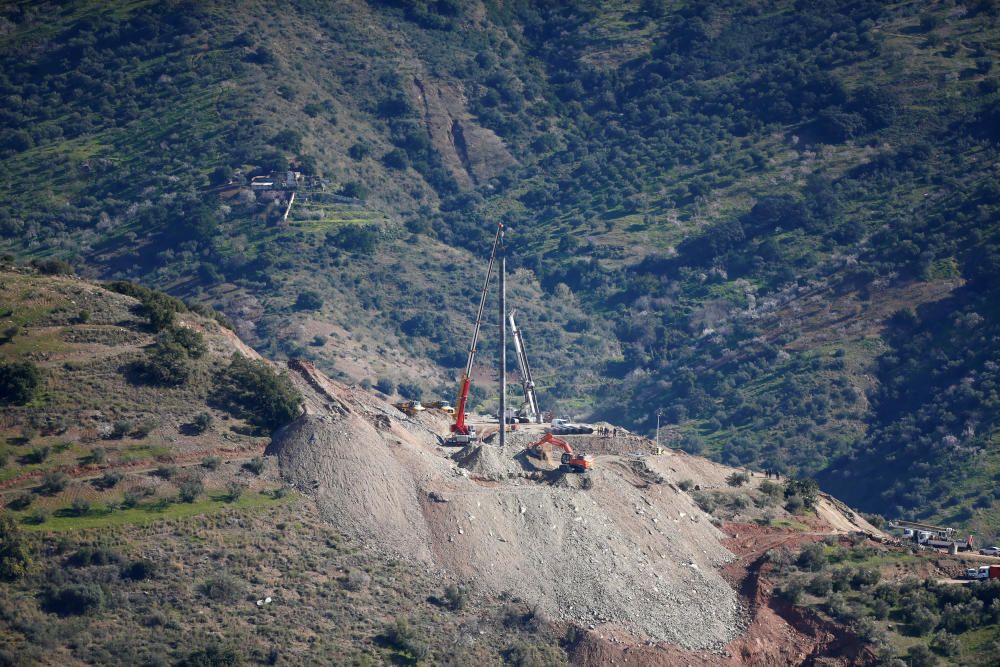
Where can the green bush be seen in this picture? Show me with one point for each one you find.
(255, 465)
(139, 570)
(455, 597)
(192, 341)
(223, 589)
(166, 364)
(212, 656)
(19, 381)
(211, 462)
(80, 507)
(15, 551)
(308, 300)
(165, 471)
(234, 490)
(190, 490)
(738, 479)
(73, 599)
(37, 455)
(52, 483)
(202, 422)
(251, 389)
(812, 557)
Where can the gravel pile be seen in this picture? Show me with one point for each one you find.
(616, 546)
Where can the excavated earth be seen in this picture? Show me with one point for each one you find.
(624, 548)
(621, 551)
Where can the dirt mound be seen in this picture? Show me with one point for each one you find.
(483, 460)
(614, 548)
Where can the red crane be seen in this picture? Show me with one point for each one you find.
(461, 432)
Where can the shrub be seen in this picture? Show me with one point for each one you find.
(685, 485)
(21, 502)
(15, 550)
(212, 656)
(19, 381)
(144, 428)
(167, 364)
(53, 483)
(202, 422)
(524, 654)
(190, 490)
(401, 635)
(223, 589)
(819, 585)
(253, 389)
(233, 491)
(946, 644)
(108, 480)
(120, 429)
(455, 597)
(165, 472)
(80, 507)
(308, 300)
(131, 499)
(737, 479)
(52, 267)
(410, 391)
(36, 455)
(97, 456)
(386, 386)
(919, 655)
(211, 462)
(812, 557)
(39, 516)
(255, 465)
(73, 599)
(356, 579)
(87, 556)
(139, 570)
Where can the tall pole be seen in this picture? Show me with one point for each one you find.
(503, 348)
(658, 413)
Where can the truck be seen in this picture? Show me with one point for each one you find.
(983, 572)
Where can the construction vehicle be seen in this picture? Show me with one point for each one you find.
(922, 532)
(443, 406)
(463, 433)
(529, 412)
(570, 460)
(410, 408)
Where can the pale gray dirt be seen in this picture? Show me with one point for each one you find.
(623, 548)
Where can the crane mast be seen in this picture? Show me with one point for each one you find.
(526, 380)
(460, 428)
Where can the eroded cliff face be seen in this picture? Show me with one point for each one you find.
(473, 154)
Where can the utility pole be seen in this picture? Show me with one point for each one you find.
(659, 413)
(503, 347)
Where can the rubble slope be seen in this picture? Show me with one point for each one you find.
(625, 547)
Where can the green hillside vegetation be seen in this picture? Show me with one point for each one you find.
(719, 210)
(922, 622)
(129, 407)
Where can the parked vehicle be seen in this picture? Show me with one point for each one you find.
(990, 551)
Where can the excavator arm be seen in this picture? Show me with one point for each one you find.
(570, 460)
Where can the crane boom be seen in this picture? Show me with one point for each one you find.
(526, 380)
(460, 427)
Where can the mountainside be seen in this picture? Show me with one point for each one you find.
(775, 223)
(171, 499)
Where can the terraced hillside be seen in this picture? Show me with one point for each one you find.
(757, 219)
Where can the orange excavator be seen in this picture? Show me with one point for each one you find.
(570, 461)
